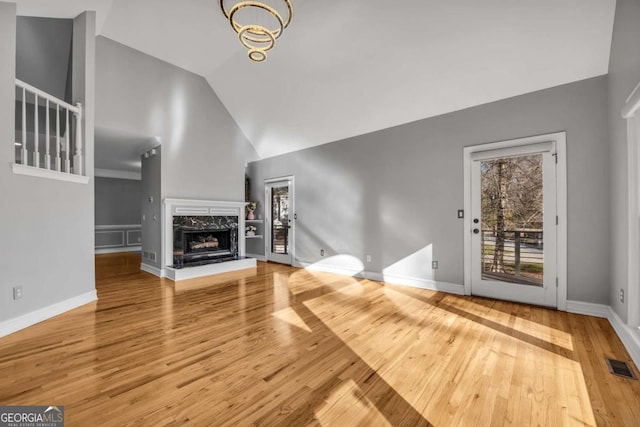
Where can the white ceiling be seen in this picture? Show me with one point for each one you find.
(352, 67)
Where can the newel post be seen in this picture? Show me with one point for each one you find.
(78, 161)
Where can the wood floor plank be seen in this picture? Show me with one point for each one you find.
(282, 346)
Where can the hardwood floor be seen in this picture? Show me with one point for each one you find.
(283, 346)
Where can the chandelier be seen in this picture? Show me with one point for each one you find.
(258, 38)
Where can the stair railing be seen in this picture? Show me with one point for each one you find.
(60, 148)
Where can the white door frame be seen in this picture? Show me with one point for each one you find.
(631, 112)
(547, 294)
(560, 139)
(292, 219)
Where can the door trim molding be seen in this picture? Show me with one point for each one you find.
(560, 138)
(267, 217)
(631, 113)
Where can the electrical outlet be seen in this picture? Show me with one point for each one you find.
(321, 252)
(17, 292)
(621, 295)
(368, 258)
(434, 265)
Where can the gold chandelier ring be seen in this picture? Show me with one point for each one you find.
(257, 55)
(285, 22)
(258, 30)
(237, 27)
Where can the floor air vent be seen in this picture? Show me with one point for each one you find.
(620, 368)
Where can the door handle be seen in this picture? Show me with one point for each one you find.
(476, 231)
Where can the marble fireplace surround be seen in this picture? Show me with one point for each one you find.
(187, 207)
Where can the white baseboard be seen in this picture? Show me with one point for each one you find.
(328, 269)
(629, 336)
(413, 282)
(257, 257)
(588, 309)
(152, 270)
(118, 250)
(17, 323)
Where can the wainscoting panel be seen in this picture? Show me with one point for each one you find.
(134, 237)
(118, 238)
(109, 239)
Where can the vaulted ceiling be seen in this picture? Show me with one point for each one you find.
(345, 68)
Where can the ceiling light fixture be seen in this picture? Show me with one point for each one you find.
(256, 37)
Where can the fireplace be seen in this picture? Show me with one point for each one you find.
(200, 240)
(205, 235)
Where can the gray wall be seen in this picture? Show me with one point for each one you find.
(151, 209)
(204, 150)
(394, 194)
(46, 237)
(44, 54)
(624, 74)
(118, 201)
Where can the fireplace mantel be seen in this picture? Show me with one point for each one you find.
(189, 207)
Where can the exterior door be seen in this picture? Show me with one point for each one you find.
(513, 224)
(280, 224)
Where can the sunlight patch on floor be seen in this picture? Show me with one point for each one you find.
(280, 291)
(348, 405)
(308, 280)
(453, 335)
(489, 314)
(290, 316)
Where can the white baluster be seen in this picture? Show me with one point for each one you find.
(58, 162)
(23, 152)
(77, 158)
(36, 148)
(47, 147)
(67, 163)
